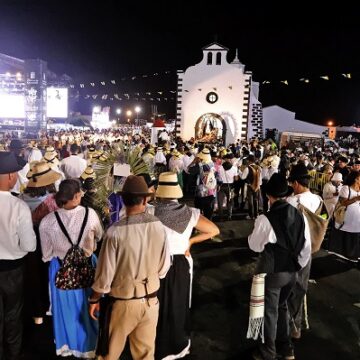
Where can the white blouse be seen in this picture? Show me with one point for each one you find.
(179, 243)
(352, 213)
(53, 241)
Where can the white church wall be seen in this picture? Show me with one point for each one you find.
(230, 84)
(276, 117)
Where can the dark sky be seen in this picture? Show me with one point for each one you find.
(103, 40)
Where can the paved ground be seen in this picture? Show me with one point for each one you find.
(223, 271)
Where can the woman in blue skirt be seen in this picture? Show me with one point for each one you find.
(75, 332)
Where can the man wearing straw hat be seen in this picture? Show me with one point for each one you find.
(133, 258)
(16, 240)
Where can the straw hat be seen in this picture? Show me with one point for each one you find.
(175, 153)
(205, 156)
(50, 149)
(168, 186)
(31, 165)
(42, 175)
(51, 158)
(89, 173)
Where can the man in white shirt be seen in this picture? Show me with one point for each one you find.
(279, 237)
(73, 166)
(299, 180)
(16, 240)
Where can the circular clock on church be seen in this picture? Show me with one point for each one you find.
(212, 97)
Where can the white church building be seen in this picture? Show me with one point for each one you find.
(219, 101)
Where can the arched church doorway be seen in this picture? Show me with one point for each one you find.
(210, 128)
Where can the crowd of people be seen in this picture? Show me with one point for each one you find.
(128, 274)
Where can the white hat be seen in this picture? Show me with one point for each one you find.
(168, 186)
(205, 156)
(337, 177)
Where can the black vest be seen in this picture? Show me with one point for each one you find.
(289, 227)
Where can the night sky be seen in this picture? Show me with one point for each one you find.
(103, 40)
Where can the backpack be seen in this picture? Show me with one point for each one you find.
(317, 226)
(76, 270)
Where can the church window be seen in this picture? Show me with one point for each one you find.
(212, 97)
(209, 58)
(218, 58)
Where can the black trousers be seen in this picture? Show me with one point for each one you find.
(253, 202)
(296, 298)
(11, 305)
(278, 287)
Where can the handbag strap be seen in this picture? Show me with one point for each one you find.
(63, 229)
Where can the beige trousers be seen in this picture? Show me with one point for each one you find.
(136, 319)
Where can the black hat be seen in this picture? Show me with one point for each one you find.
(149, 181)
(343, 159)
(299, 172)
(16, 144)
(10, 163)
(278, 187)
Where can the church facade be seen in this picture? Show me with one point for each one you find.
(217, 101)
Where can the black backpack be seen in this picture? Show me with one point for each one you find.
(76, 270)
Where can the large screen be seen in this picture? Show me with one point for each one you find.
(12, 106)
(57, 102)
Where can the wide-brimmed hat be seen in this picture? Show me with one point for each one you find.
(31, 165)
(88, 173)
(337, 177)
(168, 186)
(175, 153)
(135, 185)
(42, 175)
(205, 156)
(10, 163)
(278, 186)
(51, 158)
(299, 172)
(50, 149)
(16, 144)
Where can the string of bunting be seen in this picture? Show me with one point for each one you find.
(308, 80)
(161, 95)
(126, 78)
(264, 82)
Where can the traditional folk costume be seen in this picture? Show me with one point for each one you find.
(279, 236)
(133, 257)
(42, 179)
(75, 332)
(345, 238)
(173, 329)
(329, 190)
(16, 240)
(311, 202)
